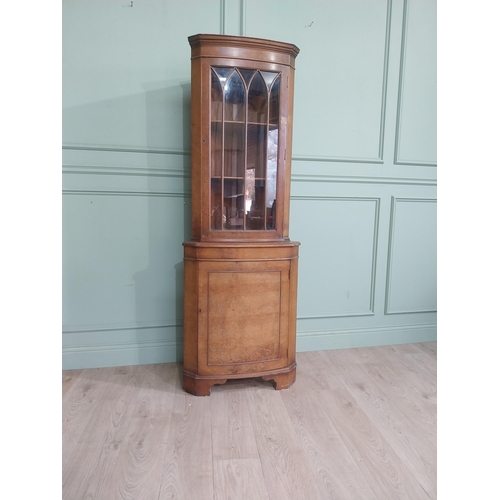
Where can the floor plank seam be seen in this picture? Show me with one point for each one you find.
(358, 423)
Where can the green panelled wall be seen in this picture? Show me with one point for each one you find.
(363, 199)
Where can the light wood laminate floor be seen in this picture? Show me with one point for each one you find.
(357, 424)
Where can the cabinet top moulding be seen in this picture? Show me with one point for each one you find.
(242, 47)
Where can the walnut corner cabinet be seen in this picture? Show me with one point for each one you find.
(240, 267)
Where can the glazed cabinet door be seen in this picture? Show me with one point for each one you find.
(243, 317)
(244, 142)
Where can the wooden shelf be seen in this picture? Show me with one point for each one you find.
(263, 124)
(219, 177)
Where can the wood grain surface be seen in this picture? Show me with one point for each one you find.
(357, 424)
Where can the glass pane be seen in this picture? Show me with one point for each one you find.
(216, 94)
(234, 204)
(216, 203)
(222, 73)
(234, 97)
(257, 100)
(255, 202)
(256, 149)
(216, 149)
(234, 150)
(274, 104)
(247, 75)
(269, 77)
(272, 167)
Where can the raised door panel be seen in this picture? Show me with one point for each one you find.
(243, 316)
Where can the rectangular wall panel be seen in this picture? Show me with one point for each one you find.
(336, 266)
(126, 71)
(341, 71)
(417, 103)
(122, 261)
(411, 278)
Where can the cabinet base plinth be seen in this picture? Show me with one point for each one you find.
(283, 380)
(201, 385)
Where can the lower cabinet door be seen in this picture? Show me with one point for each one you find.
(243, 316)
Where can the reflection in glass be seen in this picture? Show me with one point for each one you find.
(216, 98)
(216, 149)
(274, 102)
(272, 168)
(234, 199)
(234, 98)
(255, 193)
(257, 100)
(222, 73)
(234, 149)
(256, 149)
(216, 203)
(247, 75)
(269, 77)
